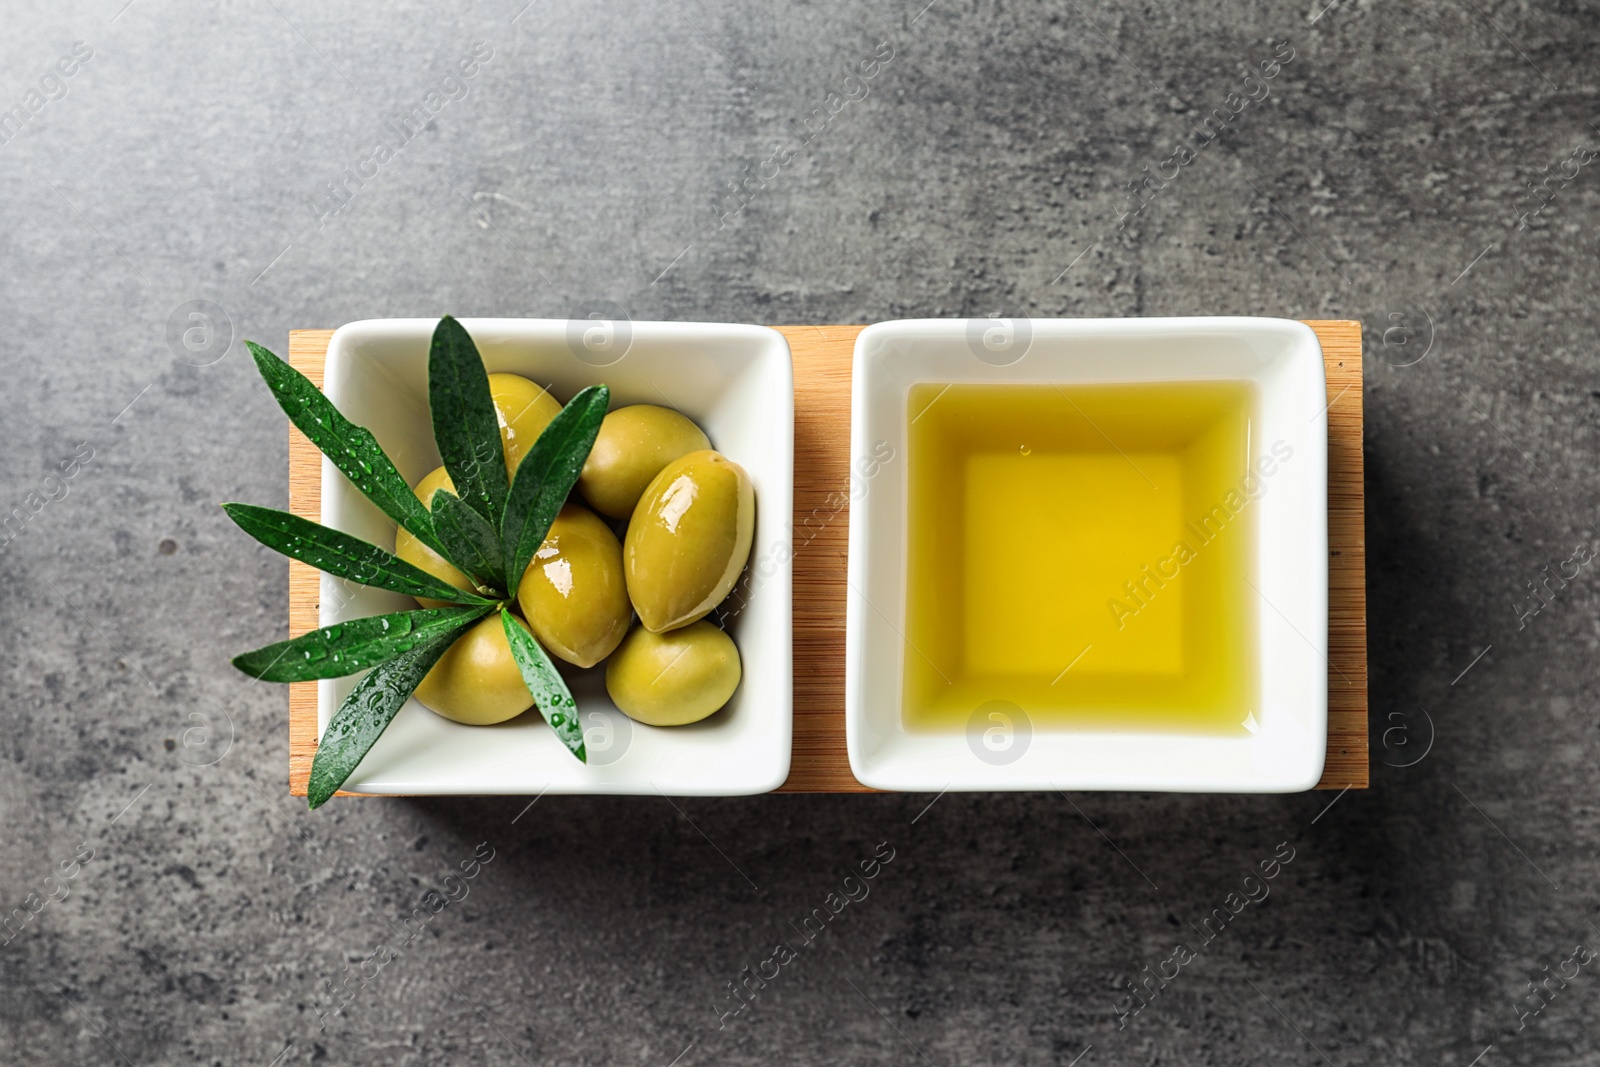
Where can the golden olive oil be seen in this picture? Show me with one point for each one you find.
(1083, 552)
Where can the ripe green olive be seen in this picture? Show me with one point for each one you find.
(524, 410)
(688, 539)
(674, 678)
(573, 593)
(414, 552)
(633, 445)
(477, 681)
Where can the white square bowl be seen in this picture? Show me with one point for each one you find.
(1282, 741)
(736, 383)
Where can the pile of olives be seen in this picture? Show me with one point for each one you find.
(690, 518)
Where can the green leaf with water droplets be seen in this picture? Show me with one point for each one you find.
(549, 689)
(547, 474)
(341, 555)
(352, 448)
(347, 647)
(465, 426)
(469, 541)
(367, 712)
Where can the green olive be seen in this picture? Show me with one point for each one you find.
(476, 681)
(573, 593)
(524, 410)
(673, 678)
(688, 539)
(633, 445)
(414, 552)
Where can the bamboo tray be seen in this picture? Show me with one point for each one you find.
(822, 356)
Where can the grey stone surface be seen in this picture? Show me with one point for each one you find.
(189, 159)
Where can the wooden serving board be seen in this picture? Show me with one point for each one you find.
(822, 356)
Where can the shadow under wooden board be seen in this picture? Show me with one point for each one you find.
(822, 356)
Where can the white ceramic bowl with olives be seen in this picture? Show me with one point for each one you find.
(726, 729)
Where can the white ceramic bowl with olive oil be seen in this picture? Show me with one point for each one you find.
(1102, 561)
(737, 384)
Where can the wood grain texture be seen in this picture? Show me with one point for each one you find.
(1348, 762)
(307, 349)
(822, 356)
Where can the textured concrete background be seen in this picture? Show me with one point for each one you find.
(589, 160)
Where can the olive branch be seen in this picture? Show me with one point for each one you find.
(489, 529)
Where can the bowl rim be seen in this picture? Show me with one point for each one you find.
(776, 421)
(899, 771)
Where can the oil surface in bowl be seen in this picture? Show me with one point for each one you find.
(1082, 552)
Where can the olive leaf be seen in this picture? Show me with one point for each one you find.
(352, 448)
(367, 711)
(348, 647)
(341, 555)
(547, 474)
(465, 426)
(470, 542)
(549, 689)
